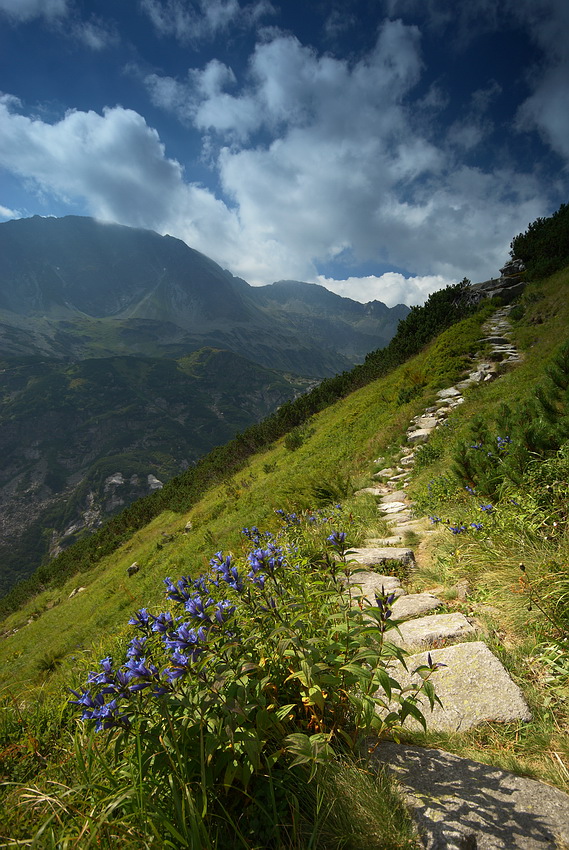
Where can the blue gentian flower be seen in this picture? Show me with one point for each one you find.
(141, 619)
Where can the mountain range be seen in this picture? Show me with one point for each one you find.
(75, 287)
(126, 355)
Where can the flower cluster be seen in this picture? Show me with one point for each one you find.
(168, 645)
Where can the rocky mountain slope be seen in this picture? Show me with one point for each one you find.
(125, 356)
(74, 287)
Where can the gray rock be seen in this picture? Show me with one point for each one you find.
(376, 556)
(394, 508)
(421, 435)
(450, 392)
(396, 496)
(461, 804)
(408, 460)
(428, 422)
(385, 473)
(496, 340)
(373, 491)
(414, 604)
(154, 483)
(381, 542)
(462, 589)
(474, 688)
(433, 631)
(366, 584)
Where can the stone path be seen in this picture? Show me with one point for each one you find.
(471, 682)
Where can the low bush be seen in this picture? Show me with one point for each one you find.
(255, 679)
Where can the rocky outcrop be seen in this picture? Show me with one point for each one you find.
(508, 286)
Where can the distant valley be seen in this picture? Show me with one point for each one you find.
(125, 356)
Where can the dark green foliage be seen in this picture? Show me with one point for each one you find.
(441, 310)
(297, 436)
(544, 247)
(501, 452)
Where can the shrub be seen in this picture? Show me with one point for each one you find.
(261, 668)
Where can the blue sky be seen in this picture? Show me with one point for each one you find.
(380, 147)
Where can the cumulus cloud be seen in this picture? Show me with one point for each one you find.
(346, 171)
(115, 163)
(392, 287)
(318, 160)
(191, 22)
(7, 214)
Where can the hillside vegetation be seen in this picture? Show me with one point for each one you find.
(261, 747)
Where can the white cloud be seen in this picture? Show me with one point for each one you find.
(26, 10)
(6, 213)
(318, 160)
(116, 164)
(95, 34)
(392, 287)
(547, 108)
(191, 22)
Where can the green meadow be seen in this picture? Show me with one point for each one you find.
(308, 784)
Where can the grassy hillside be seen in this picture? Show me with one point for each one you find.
(84, 795)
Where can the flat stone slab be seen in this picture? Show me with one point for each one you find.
(416, 525)
(408, 460)
(434, 630)
(385, 473)
(366, 584)
(414, 604)
(461, 803)
(421, 435)
(373, 491)
(379, 542)
(427, 422)
(451, 392)
(474, 688)
(393, 507)
(377, 556)
(396, 496)
(498, 340)
(399, 516)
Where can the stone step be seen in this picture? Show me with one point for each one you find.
(366, 583)
(434, 630)
(473, 687)
(394, 496)
(372, 556)
(421, 435)
(380, 542)
(426, 422)
(496, 340)
(460, 803)
(385, 473)
(372, 491)
(413, 605)
(450, 392)
(393, 508)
